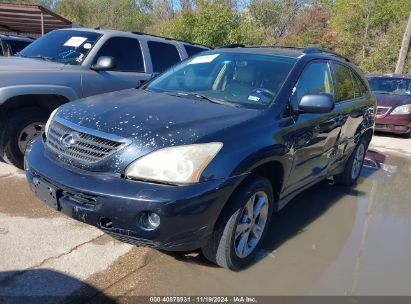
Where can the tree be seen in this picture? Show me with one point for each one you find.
(310, 27)
(359, 23)
(212, 23)
(127, 15)
(274, 16)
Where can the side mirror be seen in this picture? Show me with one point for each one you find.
(317, 103)
(104, 63)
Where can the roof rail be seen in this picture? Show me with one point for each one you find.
(313, 50)
(305, 50)
(168, 38)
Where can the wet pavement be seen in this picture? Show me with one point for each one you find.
(330, 240)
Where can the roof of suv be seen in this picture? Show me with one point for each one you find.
(285, 51)
(131, 34)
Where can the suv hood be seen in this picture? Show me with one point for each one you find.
(392, 100)
(154, 120)
(14, 64)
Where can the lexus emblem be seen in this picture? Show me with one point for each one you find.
(69, 139)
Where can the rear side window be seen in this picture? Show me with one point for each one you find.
(126, 53)
(192, 50)
(345, 89)
(316, 78)
(361, 89)
(163, 55)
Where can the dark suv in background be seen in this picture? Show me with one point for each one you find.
(11, 45)
(204, 154)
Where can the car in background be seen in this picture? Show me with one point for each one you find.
(204, 154)
(393, 93)
(11, 45)
(69, 64)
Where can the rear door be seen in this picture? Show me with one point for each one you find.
(128, 73)
(351, 106)
(314, 136)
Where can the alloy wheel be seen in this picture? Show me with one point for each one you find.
(30, 132)
(358, 161)
(251, 224)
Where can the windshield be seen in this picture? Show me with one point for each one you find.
(249, 80)
(64, 46)
(390, 85)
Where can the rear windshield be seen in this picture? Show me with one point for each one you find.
(64, 46)
(249, 80)
(390, 85)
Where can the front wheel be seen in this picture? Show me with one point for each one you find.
(241, 229)
(353, 166)
(19, 129)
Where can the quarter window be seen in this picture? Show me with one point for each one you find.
(192, 50)
(163, 55)
(316, 78)
(345, 85)
(126, 53)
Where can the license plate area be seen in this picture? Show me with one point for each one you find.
(46, 192)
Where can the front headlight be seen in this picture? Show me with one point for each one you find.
(47, 127)
(404, 109)
(176, 165)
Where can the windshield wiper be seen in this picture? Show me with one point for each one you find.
(200, 96)
(45, 58)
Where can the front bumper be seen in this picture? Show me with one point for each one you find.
(188, 213)
(398, 124)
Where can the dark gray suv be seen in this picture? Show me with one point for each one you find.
(69, 64)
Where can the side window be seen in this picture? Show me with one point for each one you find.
(345, 89)
(192, 50)
(126, 53)
(16, 45)
(316, 78)
(163, 55)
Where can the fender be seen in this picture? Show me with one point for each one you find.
(36, 89)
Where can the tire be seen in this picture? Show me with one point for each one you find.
(223, 248)
(13, 135)
(352, 169)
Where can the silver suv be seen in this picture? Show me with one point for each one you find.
(69, 64)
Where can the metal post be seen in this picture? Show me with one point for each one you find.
(404, 48)
(42, 24)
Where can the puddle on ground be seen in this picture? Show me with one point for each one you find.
(330, 240)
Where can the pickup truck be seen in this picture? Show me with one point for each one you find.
(69, 64)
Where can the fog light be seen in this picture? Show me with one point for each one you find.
(150, 220)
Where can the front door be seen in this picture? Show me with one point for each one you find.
(129, 68)
(314, 136)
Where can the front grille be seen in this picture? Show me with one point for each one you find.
(84, 148)
(382, 110)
